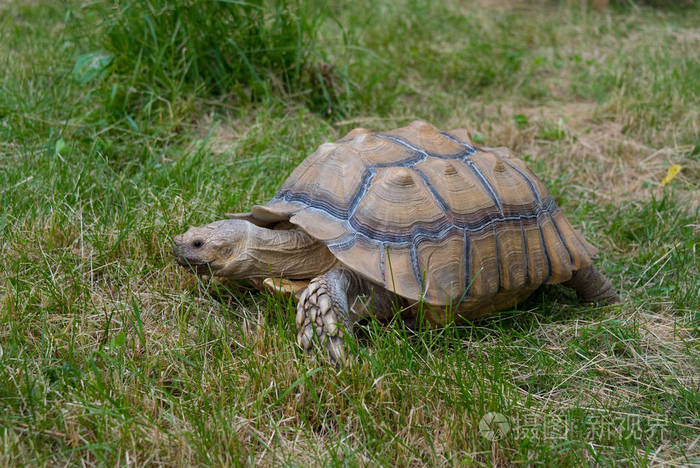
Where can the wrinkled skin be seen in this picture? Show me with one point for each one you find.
(238, 249)
(208, 249)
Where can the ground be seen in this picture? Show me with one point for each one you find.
(112, 354)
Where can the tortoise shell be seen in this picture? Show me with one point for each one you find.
(432, 217)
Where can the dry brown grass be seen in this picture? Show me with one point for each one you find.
(609, 165)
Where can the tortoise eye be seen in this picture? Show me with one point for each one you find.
(197, 243)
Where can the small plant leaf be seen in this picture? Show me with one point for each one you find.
(520, 120)
(119, 340)
(671, 174)
(91, 65)
(60, 146)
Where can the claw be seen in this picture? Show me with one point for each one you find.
(313, 314)
(324, 304)
(335, 350)
(304, 295)
(300, 341)
(307, 337)
(300, 314)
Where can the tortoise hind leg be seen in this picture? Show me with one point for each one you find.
(592, 287)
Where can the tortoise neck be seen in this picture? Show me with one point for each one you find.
(286, 253)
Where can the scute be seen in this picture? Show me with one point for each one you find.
(560, 259)
(483, 263)
(330, 182)
(397, 204)
(469, 203)
(424, 136)
(381, 152)
(364, 255)
(399, 272)
(512, 256)
(511, 188)
(431, 217)
(444, 259)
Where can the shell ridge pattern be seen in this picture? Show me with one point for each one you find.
(344, 243)
(417, 235)
(561, 238)
(467, 260)
(525, 253)
(539, 204)
(416, 269)
(549, 209)
(398, 240)
(366, 181)
(469, 147)
(486, 185)
(346, 216)
(321, 205)
(545, 251)
(422, 152)
(498, 256)
(382, 260)
(477, 172)
(422, 155)
(440, 200)
(310, 197)
(527, 180)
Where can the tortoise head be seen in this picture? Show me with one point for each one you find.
(218, 248)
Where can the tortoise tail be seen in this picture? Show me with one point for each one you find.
(592, 287)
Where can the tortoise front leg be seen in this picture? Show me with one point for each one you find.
(332, 303)
(323, 311)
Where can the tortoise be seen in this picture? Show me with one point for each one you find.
(413, 217)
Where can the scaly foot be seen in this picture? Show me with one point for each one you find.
(323, 312)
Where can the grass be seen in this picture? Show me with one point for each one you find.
(155, 50)
(111, 354)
